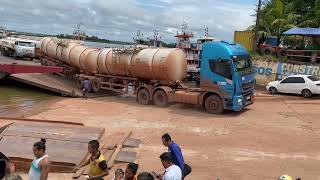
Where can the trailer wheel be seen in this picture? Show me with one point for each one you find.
(15, 56)
(160, 98)
(267, 51)
(214, 105)
(143, 97)
(95, 83)
(3, 52)
(79, 82)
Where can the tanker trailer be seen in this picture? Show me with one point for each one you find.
(156, 74)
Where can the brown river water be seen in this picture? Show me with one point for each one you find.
(17, 98)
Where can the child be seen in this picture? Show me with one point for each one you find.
(118, 175)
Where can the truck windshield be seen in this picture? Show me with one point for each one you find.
(243, 65)
(26, 44)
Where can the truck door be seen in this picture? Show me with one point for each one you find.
(221, 75)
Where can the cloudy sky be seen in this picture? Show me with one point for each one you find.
(120, 19)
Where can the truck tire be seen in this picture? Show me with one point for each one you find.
(15, 56)
(95, 83)
(267, 51)
(79, 82)
(3, 52)
(143, 97)
(214, 105)
(160, 98)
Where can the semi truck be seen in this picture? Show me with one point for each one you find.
(227, 77)
(17, 47)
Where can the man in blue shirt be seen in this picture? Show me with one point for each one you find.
(85, 88)
(175, 150)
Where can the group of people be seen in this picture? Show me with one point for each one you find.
(172, 161)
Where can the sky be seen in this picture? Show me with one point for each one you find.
(121, 19)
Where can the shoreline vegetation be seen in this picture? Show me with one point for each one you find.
(88, 38)
(68, 36)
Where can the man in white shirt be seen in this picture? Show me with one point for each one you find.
(172, 172)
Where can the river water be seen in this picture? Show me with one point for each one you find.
(16, 97)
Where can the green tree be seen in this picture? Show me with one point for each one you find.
(277, 16)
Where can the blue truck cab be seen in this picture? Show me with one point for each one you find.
(226, 77)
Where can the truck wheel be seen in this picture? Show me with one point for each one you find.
(267, 51)
(160, 98)
(143, 97)
(214, 105)
(95, 83)
(3, 52)
(79, 82)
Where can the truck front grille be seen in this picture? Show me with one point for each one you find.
(247, 88)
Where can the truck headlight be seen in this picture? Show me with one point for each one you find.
(240, 101)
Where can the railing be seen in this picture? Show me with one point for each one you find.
(312, 54)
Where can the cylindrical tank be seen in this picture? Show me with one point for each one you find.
(104, 56)
(51, 49)
(83, 58)
(75, 54)
(66, 52)
(90, 63)
(44, 42)
(160, 63)
(150, 63)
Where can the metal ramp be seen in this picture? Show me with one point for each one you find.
(49, 82)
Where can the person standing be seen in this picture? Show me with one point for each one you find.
(40, 166)
(177, 157)
(86, 84)
(98, 167)
(172, 171)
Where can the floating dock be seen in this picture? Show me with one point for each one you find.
(67, 142)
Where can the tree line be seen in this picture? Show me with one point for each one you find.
(278, 16)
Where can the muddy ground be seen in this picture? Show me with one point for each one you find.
(276, 135)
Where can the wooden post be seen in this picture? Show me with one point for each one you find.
(256, 34)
